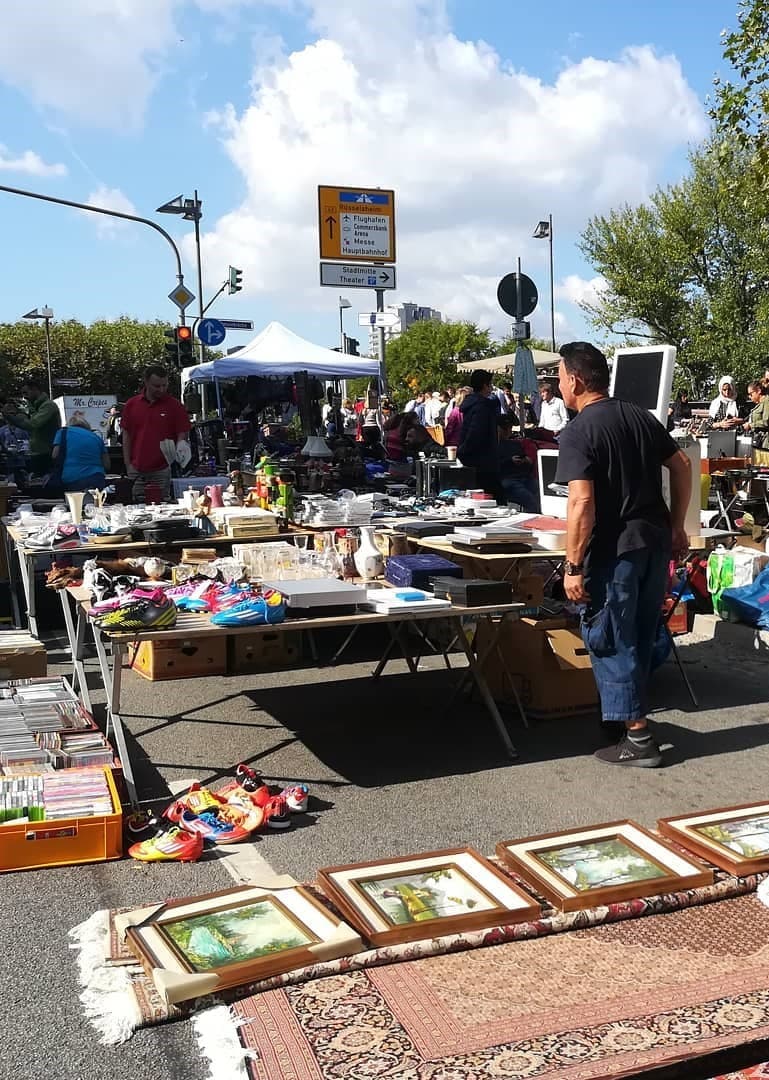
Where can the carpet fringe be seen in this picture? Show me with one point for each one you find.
(108, 1000)
(217, 1034)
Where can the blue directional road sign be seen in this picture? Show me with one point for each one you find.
(211, 332)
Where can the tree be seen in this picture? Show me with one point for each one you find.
(690, 268)
(741, 109)
(426, 355)
(105, 357)
(508, 345)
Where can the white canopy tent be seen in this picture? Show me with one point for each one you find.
(542, 360)
(276, 350)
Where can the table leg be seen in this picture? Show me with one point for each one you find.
(75, 639)
(78, 659)
(394, 631)
(476, 673)
(104, 668)
(343, 647)
(27, 571)
(113, 685)
(13, 576)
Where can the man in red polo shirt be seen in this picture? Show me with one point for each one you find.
(148, 419)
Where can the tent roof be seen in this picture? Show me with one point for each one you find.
(276, 350)
(542, 359)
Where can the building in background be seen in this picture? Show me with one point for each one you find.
(407, 315)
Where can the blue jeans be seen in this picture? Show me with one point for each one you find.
(523, 492)
(620, 628)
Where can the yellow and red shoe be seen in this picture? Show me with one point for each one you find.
(176, 845)
(197, 799)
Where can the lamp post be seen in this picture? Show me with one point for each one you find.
(190, 209)
(544, 231)
(46, 314)
(343, 303)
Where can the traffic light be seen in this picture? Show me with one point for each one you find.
(234, 278)
(171, 348)
(184, 345)
(352, 346)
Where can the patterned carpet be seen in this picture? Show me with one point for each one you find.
(606, 1001)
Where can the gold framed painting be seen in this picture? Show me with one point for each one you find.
(603, 864)
(412, 897)
(204, 944)
(734, 838)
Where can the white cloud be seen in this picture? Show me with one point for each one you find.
(95, 61)
(476, 151)
(108, 199)
(578, 290)
(29, 163)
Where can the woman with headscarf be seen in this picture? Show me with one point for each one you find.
(723, 409)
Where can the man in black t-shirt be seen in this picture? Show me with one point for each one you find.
(620, 537)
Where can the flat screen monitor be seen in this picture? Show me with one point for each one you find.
(553, 505)
(645, 377)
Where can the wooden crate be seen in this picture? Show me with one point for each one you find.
(180, 659)
(264, 652)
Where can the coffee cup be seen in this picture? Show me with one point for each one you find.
(451, 453)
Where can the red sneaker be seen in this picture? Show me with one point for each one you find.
(276, 813)
(296, 797)
(214, 826)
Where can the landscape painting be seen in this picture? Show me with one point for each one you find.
(234, 935)
(600, 864)
(748, 837)
(435, 893)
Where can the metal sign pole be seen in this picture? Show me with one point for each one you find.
(381, 345)
(518, 319)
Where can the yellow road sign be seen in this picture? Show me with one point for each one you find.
(356, 224)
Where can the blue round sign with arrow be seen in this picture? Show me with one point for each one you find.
(211, 332)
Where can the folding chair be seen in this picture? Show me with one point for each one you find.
(676, 593)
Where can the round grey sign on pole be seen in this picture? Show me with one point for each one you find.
(507, 295)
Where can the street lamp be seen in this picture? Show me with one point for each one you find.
(190, 209)
(343, 303)
(544, 231)
(46, 314)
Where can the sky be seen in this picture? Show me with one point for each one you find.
(484, 116)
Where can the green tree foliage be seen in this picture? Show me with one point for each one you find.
(690, 268)
(508, 345)
(105, 357)
(425, 356)
(741, 107)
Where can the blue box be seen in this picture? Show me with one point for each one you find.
(416, 570)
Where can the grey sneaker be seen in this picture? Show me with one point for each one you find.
(626, 752)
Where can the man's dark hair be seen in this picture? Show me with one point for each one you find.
(35, 382)
(582, 359)
(479, 379)
(155, 369)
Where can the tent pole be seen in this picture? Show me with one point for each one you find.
(218, 398)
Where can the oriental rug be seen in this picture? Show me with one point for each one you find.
(609, 1001)
(118, 998)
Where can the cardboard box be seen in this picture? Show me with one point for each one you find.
(263, 652)
(530, 590)
(180, 659)
(549, 664)
(20, 658)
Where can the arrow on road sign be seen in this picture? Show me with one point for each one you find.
(331, 222)
(355, 276)
(211, 332)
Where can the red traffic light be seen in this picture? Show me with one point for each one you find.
(184, 333)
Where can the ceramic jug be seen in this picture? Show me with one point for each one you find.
(368, 558)
(214, 492)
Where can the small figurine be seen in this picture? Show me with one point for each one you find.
(202, 517)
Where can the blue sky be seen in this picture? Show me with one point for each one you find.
(484, 116)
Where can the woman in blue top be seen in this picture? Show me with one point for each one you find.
(85, 456)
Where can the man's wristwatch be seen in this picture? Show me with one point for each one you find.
(572, 569)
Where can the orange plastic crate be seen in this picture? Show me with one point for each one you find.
(64, 842)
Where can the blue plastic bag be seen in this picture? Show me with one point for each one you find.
(749, 603)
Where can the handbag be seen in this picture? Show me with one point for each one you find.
(749, 604)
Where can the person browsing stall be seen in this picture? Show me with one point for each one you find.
(757, 423)
(41, 421)
(620, 537)
(84, 456)
(148, 419)
(723, 409)
(552, 415)
(478, 446)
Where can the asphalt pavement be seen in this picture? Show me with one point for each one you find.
(394, 766)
